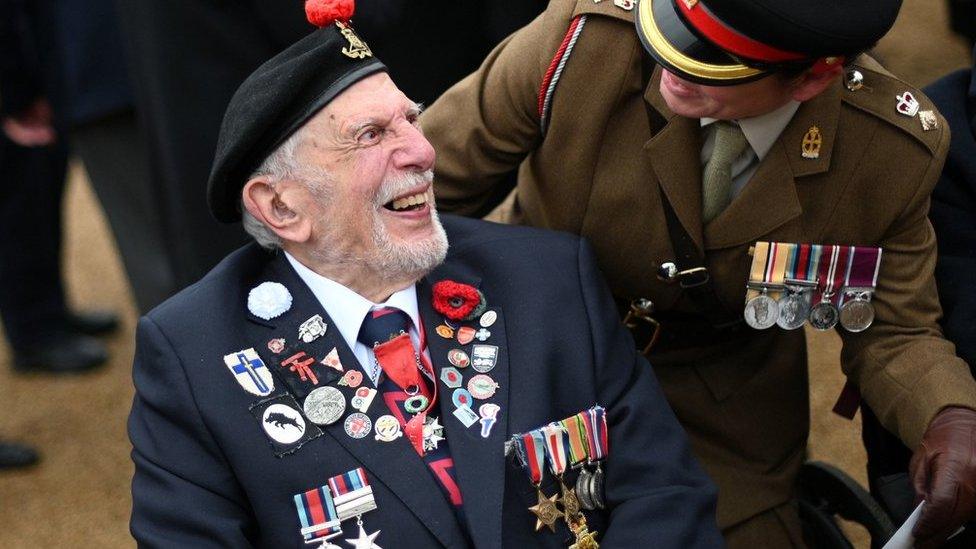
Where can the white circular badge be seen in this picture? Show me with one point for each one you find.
(283, 424)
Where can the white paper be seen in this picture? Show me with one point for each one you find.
(903, 538)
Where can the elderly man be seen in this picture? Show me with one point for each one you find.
(682, 136)
(357, 373)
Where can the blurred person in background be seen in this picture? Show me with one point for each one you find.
(187, 58)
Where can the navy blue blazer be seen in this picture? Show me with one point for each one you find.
(206, 476)
(953, 212)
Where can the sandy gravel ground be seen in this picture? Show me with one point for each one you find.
(79, 495)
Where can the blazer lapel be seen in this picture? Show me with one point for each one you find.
(394, 464)
(479, 460)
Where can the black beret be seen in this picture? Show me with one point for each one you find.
(723, 42)
(276, 100)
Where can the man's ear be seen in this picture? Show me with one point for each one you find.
(811, 83)
(278, 206)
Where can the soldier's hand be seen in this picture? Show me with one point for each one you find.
(943, 472)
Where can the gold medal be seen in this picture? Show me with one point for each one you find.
(545, 511)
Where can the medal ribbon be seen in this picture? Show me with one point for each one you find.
(577, 439)
(760, 257)
(865, 264)
(825, 273)
(775, 275)
(353, 494)
(534, 446)
(596, 432)
(557, 440)
(317, 513)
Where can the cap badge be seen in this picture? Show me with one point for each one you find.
(907, 104)
(854, 80)
(357, 48)
(928, 120)
(624, 4)
(810, 148)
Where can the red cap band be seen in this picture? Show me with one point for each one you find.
(731, 40)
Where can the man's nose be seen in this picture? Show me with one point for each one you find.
(415, 152)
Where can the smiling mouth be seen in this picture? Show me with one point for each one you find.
(407, 203)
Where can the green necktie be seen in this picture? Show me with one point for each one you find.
(730, 143)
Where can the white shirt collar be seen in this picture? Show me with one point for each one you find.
(763, 130)
(347, 308)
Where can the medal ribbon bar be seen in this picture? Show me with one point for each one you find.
(317, 514)
(577, 439)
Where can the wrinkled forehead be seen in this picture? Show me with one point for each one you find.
(374, 97)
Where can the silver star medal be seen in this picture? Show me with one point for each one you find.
(364, 541)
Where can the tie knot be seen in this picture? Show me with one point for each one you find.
(381, 325)
(730, 142)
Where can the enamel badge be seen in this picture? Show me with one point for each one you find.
(907, 104)
(312, 329)
(249, 370)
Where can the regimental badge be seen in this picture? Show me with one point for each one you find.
(357, 48)
(332, 360)
(485, 357)
(907, 104)
(312, 329)
(451, 377)
(363, 398)
(929, 120)
(482, 386)
(276, 345)
(324, 405)
(387, 428)
(358, 425)
(810, 147)
(625, 5)
(283, 424)
(249, 370)
(465, 335)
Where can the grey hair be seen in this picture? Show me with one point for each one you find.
(279, 165)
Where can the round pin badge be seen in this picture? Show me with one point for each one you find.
(352, 378)
(358, 425)
(458, 358)
(824, 316)
(488, 319)
(324, 405)
(462, 397)
(283, 424)
(761, 312)
(387, 428)
(444, 331)
(482, 387)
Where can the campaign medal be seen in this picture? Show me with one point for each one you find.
(358, 425)
(578, 450)
(458, 358)
(324, 405)
(833, 266)
(250, 371)
(767, 272)
(484, 358)
(557, 448)
(387, 428)
(353, 497)
(318, 517)
(594, 423)
(856, 311)
(531, 451)
(800, 281)
(482, 387)
(312, 329)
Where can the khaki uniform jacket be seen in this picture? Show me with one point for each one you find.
(599, 170)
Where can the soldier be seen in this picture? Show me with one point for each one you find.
(761, 123)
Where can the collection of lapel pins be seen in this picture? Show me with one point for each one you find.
(482, 359)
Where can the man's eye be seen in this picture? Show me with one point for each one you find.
(369, 135)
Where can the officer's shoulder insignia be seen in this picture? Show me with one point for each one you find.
(618, 9)
(872, 89)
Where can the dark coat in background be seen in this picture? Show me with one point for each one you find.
(207, 477)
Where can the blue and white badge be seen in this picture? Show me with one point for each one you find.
(462, 397)
(250, 372)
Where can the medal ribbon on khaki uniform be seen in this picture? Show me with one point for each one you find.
(857, 313)
(760, 257)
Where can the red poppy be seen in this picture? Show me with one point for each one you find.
(458, 301)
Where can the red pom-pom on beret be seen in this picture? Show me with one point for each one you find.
(322, 13)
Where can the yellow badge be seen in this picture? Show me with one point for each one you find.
(357, 48)
(928, 119)
(444, 331)
(810, 148)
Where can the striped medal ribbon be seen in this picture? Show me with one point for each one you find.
(856, 311)
(317, 514)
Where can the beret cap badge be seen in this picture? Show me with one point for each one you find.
(322, 13)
